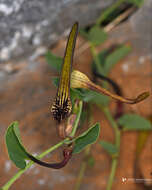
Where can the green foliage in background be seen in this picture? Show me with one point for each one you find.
(134, 122)
(109, 147)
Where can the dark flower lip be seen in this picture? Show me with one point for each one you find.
(62, 106)
(60, 110)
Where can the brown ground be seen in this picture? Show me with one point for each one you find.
(26, 96)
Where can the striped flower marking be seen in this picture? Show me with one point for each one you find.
(62, 106)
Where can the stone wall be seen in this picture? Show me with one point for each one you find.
(27, 26)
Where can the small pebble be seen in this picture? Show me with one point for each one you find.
(7, 166)
(41, 181)
(125, 67)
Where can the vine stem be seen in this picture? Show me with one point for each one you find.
(117, 143)
(106, 109)
(84, 163)
(82, 169)
(113, 124)
(21, 171)
(78, 112)
(112, 174)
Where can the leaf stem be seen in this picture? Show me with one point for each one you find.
(112, 173)
(86, 154)
(113, 124)
(117, 143)
(106, 110)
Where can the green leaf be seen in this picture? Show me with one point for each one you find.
(91, 96)
(109, 147)
(108, 58)
(138, 3)
(115, 57)
(96, 98)
(88, 137)
(96, 35)
(134, 122)
(16, 151)
(54, 61)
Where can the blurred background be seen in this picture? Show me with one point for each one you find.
(30, 28)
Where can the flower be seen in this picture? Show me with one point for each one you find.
(62, 105)
(80, 80)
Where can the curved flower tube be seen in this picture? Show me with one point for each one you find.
(80, 80)
(117, 90)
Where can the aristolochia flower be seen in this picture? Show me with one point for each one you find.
(62, 106)
(80, 80)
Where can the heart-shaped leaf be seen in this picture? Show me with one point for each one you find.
(134, 122)
(115, 57)
(96, 35)
(16, 151)
(88, 137)
(96, 98)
